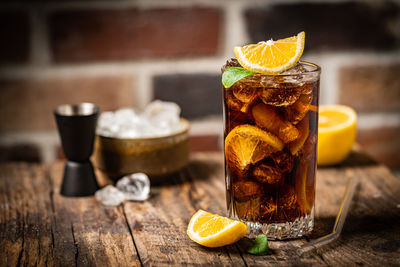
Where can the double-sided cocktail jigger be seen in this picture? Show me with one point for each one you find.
(77, 126)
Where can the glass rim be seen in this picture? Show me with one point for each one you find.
(316, 70)
(83, 109)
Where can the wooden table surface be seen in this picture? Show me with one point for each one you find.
(38, 226)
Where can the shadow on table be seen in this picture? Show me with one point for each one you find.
(377, 231)
(195, 170)
(355, 159)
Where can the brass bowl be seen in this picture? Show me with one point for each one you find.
(156, 156)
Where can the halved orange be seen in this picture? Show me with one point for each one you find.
(337, 128)
(271, 57)
(213, 230)
(247, 144)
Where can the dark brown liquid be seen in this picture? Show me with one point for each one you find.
(279, 187)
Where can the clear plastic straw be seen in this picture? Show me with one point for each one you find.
(340, 219)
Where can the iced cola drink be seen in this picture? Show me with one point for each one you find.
(270, 150)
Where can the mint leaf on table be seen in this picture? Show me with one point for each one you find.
(234, 74)
(259, 246)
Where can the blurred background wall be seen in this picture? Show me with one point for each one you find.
(127, 53)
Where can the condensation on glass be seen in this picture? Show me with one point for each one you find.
(275, 192)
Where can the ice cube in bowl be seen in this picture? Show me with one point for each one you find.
(157, 157)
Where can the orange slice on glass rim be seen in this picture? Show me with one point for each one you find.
(271, 57)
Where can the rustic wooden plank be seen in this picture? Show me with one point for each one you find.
(26, 216)
(283, 252)
(208, 193)
(371, 234)
(88, 233)
(40, 227)
(159, 225)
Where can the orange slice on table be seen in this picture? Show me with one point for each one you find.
(271, 57)
(212, 230)
(247, 144)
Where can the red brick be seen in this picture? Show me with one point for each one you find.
(95, 35)
(328, 26)
(15, 37)
(203, 143)
(198, 95)
(59, 152)
(383, 144)
(370, 88)
(28, 104)
(20, 152)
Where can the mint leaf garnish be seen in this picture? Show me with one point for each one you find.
(259, 246)
(234, 74)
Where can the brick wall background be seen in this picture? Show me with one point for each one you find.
(126, 53)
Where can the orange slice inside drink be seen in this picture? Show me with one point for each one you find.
(247, 144)
(304, 197)
(303, 128)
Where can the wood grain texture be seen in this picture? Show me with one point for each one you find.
(40, 227)
(96, 235)
(159, 225)
(26, 216)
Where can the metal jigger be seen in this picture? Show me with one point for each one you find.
(77, 126)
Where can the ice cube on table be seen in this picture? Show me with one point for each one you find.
(110, 196)
(135, 186)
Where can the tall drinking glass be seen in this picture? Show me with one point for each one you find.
(270, 133)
